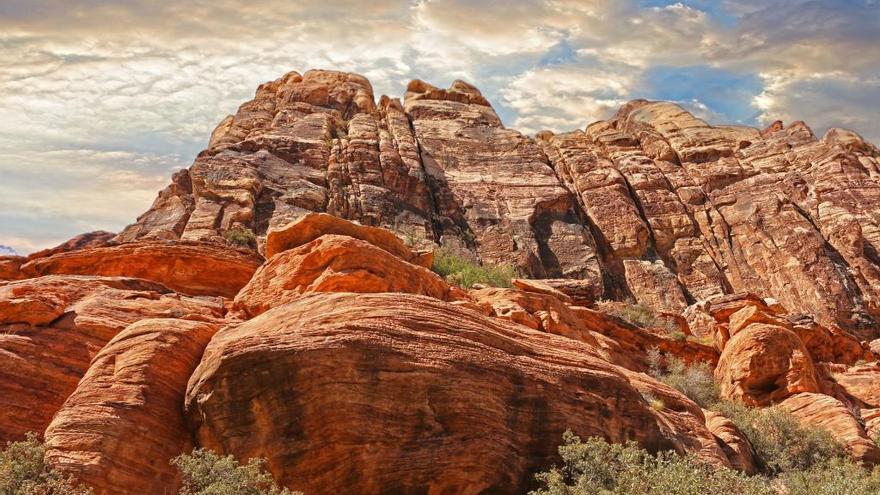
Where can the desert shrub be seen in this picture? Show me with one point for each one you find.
(204, 472)
(695, 381)
(780, 441)
(459, 269)
(240, 236)
(835, 477)
(596, 467)
(640, 316)
(23, 471)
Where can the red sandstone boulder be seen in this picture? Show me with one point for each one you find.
(335, 263)
(313, 225)
(763, 364)
(344, 392)
(120, 428)
(733, 442)
(51, 328)
(187, 267)
(10, 267)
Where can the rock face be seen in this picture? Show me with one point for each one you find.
(277, 299)
(652, 201)
(52, 327)
(335, 263)
(120, 428)
(459, 402)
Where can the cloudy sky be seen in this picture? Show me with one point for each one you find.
(100, 100)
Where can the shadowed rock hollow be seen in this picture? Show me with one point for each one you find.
(277, 299)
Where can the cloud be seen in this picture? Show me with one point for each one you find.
(100, 100)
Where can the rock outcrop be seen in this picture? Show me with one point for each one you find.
(446, 400)
(187, 267)
(120, 428)
(52, 327)
(277, 299)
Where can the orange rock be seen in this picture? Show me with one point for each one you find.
(763, 364)
(619, 342)
(313, 225)
(40, 365)
(862, 383)
(334, 263)
(828, 413)
(460, 402)
(187, 267)
(732, 441)
(10, 267)
(120, 428)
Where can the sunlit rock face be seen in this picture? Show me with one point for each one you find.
(653, 204)
(277, 299)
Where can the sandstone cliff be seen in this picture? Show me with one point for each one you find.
(327, 345)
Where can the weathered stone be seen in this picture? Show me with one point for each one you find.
(313, 225)
(335, 263)
(829, 414)
(733, 442)
(52, 327)
(190, 268)
(461, 402)
(122, 425)
(763, 364)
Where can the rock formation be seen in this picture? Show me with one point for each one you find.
(277, 299)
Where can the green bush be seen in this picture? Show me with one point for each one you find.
(23, 471)
(835, 477)
(240, 236)
(596, 467)
(780, 441)
(204, 472)
(695, 381)
(460, 270)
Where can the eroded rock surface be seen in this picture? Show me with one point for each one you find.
(52, 327)
(459, 402)
(188, 267)
(120, 428)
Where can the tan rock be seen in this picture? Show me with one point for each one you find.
(118, 431)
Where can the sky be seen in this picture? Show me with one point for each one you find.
(101, 101)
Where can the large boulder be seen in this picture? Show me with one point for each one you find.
(313, 225)
(763, 364)
(371, 393)
(118, 431)
(335, 263)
